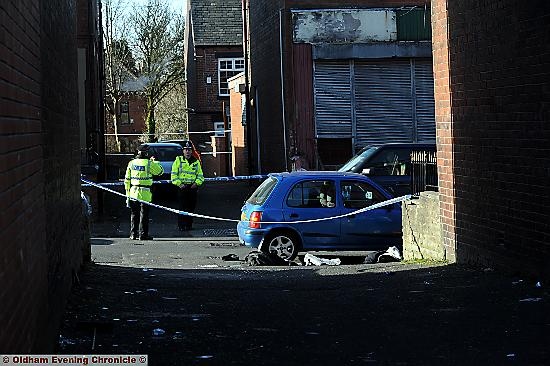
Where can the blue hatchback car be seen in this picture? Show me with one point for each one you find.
(288, 213)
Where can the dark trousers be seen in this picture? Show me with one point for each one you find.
(139, 219)
(187, 199)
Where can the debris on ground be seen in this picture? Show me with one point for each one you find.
(311, 260)
(158, 332)
(258, 258)
(230, 257)
(392, 254)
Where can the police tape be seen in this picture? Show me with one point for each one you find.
(180, 212)
(215, 179)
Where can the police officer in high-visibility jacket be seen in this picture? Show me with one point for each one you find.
(138, 182)
(188, 177)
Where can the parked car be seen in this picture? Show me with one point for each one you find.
(196, 152)
(389, 165)
(165, 153)
(268, 214)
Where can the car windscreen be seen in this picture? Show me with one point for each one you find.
(166, 153)
(355, 164)
(261, 193)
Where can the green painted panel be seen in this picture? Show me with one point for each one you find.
(414, 25)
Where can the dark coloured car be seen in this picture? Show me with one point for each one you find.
(389, 165)
(196, 152)
(272, 218)
(165, 153)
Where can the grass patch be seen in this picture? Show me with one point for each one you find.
(427, 262)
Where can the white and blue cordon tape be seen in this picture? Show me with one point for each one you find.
(103, 186)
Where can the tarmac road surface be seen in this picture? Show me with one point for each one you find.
(176, 300)
(384, 314)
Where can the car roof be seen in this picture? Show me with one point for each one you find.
(161, 144)
(404, 144)
(317, 174)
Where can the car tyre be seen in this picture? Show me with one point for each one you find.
(284, 244)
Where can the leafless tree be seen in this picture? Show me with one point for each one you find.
(171, 116)
(158, 47)
(119, 62)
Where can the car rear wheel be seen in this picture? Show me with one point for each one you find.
(283, 244)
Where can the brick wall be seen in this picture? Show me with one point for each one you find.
(239, 156)
(444, 124)
(206, 104)
(136, 112)
(39, 170)
(493, 145)
(266, 86)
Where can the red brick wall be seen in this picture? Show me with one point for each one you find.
(205, 103)
(493, 148)
(136, 112)
(39, 170)
(444, 125)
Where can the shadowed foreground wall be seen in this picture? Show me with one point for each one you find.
(492, 93)
(39, 170)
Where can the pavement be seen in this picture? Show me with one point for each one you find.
(176, 300)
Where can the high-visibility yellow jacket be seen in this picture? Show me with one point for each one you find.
(186, 171)
(139, 178)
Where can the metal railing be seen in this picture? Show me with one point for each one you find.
(424, 172)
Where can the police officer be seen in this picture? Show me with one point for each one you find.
(138, 182)
(188, 177)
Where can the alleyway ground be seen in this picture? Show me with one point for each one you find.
(215, 312)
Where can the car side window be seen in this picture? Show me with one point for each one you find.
(312, 194)
(356, 194)
(392, 162)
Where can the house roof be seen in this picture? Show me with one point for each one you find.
(217, 22)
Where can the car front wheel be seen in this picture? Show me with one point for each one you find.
(283, 244)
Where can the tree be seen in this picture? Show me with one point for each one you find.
(158, 41)
(170, 114)
(119, 61)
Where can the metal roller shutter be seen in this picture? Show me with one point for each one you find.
(375, 101)
(383, 98)
(425, 104)
(333, 111)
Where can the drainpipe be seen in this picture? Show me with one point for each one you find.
(247, 87)
(282, 86)
(257, 108)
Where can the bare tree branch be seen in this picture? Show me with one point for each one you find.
(158, 46)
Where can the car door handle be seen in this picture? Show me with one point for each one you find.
(293, 216)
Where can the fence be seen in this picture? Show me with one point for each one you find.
(424, 172)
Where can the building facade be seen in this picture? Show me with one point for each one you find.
(213, 54)
(91, 88)
(40, 162)
(329, 77)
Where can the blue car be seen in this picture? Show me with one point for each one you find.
(302, 211)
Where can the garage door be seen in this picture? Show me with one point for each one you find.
(375, 101)
(333, 111)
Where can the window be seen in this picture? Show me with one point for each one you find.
(358, 195)
(124, 112)
(392, 162)
(312, 194)
(261, 193)
(219, 128)
(227, 68)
